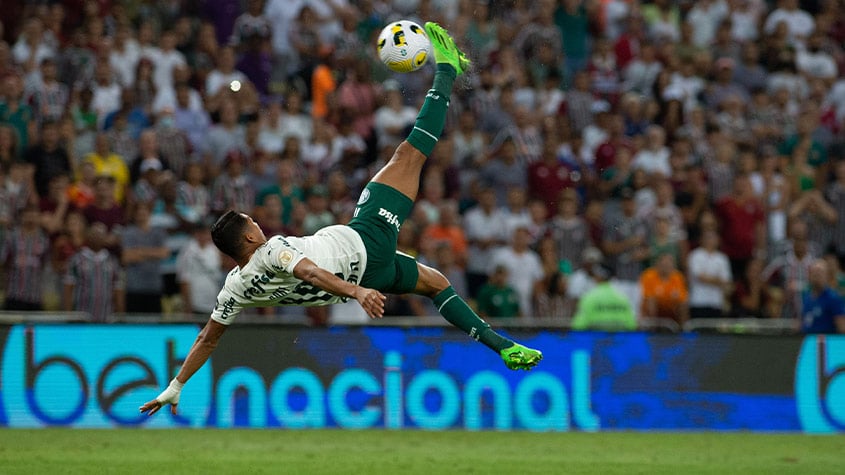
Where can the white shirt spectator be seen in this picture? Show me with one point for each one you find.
(524, 271)
(653, 161)
(817, 65)
(480, 226)
(165, 63)
(199, 267)
(387, 117)
(124, 62)
(705, 17)
(744, 25)
(799, 23)
(281, 14)
(711, 264)
(22, 52)
(106, 99)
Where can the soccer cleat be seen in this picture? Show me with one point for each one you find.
(521, 357)
(444, 47)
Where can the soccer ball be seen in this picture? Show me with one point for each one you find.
(403, 46)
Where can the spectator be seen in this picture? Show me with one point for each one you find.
(317, 214)
(357, 95)
(664, 291)
(742, 224)
(287, 187)
(502, 171)
(553, 302)
(173, 143)
(199, 272)
(662, 239)
(16, 113)
(106, 92)
(447, 230)
(497, 298)
(49, 158)
(32, 46)
(93, 282)
(625, 242)
(789, 271)
(485, 232)
(146, 187)
(709, 275)
(820, 217)
(192, 120)
(394, 117)
(24, 254)
(105, 210)
(167, 59)
(836, 197)
(48, 98)
(822, 310)
(142, 250)
(603, 307)
(193, 195)
(569, 230)
(705, 16)
(108, 163)
(799, 24)
(53, 206)
(525, 272)
(124, 55)
(548, 178)
(231, 189)
(653, 158)
(225, 74)
(224, 136)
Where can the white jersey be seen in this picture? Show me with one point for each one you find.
(267, 279)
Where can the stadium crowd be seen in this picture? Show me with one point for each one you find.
(691, 152)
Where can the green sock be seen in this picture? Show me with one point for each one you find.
(432, 116)
(456, 311)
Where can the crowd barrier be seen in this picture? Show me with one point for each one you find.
(394, 377)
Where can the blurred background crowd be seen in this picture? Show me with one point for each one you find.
(688, 154)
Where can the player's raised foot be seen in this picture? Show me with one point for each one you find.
(521, 357)
(445, 50)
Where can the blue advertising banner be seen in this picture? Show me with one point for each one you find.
(422, 378)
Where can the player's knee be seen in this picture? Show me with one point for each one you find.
(431, 281)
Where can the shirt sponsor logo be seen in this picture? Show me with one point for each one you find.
(389, 217)
(258, 282)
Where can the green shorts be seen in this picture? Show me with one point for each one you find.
(380, 212)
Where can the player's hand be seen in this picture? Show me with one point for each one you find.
(372, 301)
(168, 396)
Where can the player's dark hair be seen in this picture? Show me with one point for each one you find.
(227, 233)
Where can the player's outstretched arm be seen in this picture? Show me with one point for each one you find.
(372, 301)
(203, 347)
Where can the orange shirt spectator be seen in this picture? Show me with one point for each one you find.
(447, 229)
(664, 290)
(322, 86)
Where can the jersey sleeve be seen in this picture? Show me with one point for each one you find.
(226, 309)
(281, 255)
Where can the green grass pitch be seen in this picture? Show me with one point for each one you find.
(58, 451)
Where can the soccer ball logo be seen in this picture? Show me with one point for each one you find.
(403, 46)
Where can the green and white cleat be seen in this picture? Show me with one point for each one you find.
(444, 47)
(521, 357)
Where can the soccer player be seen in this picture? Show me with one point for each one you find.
(355, 261)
